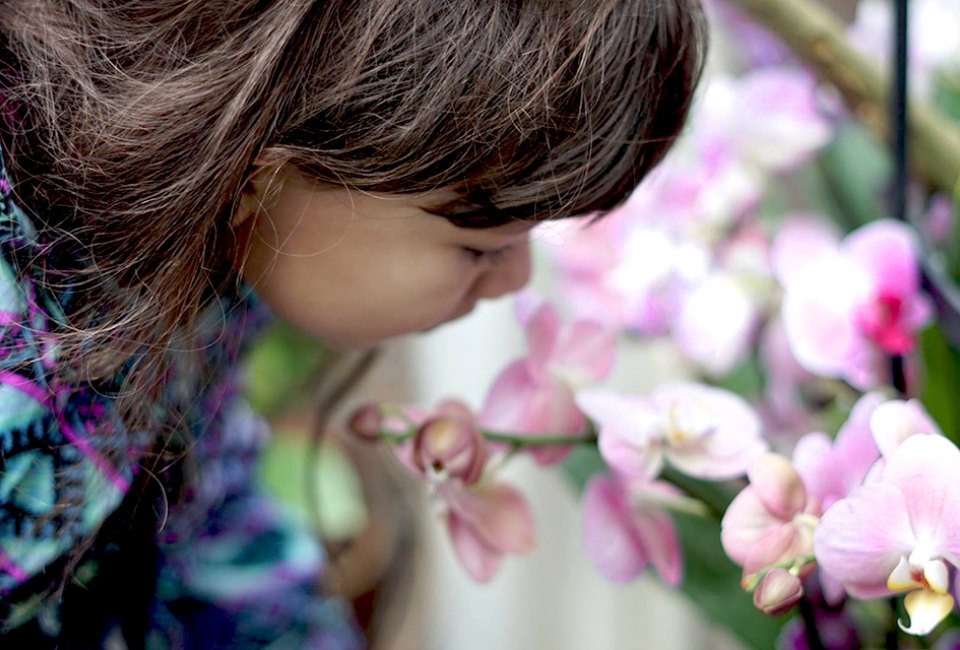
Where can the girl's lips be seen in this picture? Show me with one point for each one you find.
(460, 313)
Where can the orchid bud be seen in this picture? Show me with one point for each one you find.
(778, 485)
(778, 592)
(450, 445)
(365, 423)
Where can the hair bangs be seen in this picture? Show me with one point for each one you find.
(527, 111)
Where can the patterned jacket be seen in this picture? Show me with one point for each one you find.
(219, 565)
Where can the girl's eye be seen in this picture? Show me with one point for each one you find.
(491, 257)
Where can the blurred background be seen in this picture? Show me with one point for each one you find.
(389, 553)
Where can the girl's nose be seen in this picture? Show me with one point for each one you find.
(509, 275)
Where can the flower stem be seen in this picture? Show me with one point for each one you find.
(814, 642)
(539, 441)
(892, 639)
(517, 441)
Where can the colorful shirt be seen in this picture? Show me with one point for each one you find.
(154, 560)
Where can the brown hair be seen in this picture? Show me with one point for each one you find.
(137, 125)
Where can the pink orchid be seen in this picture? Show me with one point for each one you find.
(831, 469)
(486, 521)
(900, 532)
(716, 322)
(848, 304)
(625, 530)
(534, 395)
(742, 130)
(771, 114)
(703, 431)
(778, 592)
(719, 313)
(450, 445)
(772, 520)
(895, 421)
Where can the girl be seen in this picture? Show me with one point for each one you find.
(362, 168)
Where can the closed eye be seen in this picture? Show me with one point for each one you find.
(492, 257)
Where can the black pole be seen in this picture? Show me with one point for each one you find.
(898, 112)
(898, 145)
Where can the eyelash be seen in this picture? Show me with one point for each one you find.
(494, 257)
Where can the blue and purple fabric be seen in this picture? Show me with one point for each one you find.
(184, 558)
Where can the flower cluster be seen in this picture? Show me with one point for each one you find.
(756, 253)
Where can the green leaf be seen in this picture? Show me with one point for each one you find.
(582, 464)
(941, 381)
(946, 91)
(746, 380)
(856, 168)
(280, 366)
(338, 507)
(712, 582)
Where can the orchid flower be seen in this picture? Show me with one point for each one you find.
(535, 395)
(831, 469)
(771, 116)
(771, 521)
(900, 532)
(703, 431)
(718, 316)
(485, 519)
(848, 304)
(625, 529)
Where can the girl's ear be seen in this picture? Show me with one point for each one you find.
(263, 182)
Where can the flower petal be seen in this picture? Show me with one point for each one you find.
(817, 314)
(861, 539)
(888, 250)
(716, 323)
(479, 558)
(727, 428)
(586, 351)
(832, 469)
(630, 431)
(659, 535)
(542, 330)
(926, 609)
(608, 535)
(925, 469)
(778, 485)
(519, 403)
(896, 420)
(744, 525)
(800, 241)
(781, 543)
(498, 514)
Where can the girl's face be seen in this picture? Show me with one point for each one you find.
(354, 268)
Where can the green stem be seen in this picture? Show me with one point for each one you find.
(539, 441)
(892, 639)
(794, 565)
(517, 441)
